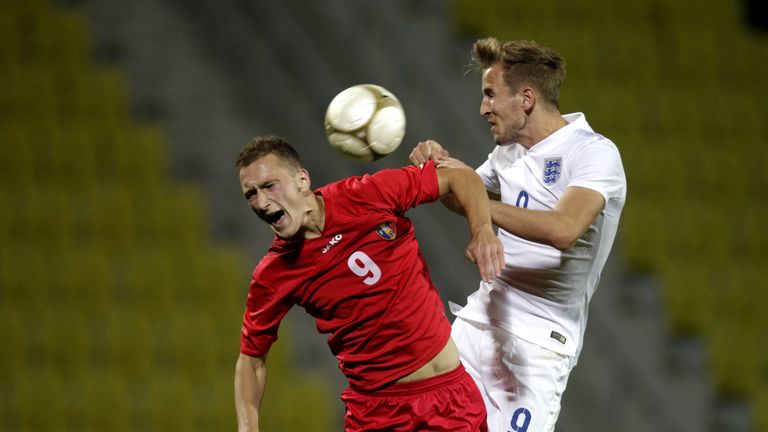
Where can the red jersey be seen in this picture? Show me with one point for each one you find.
(364, 280)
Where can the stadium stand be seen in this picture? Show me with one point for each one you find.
(118, 310)
(679, 87)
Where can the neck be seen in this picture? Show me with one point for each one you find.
(542, 126)
(314, 217)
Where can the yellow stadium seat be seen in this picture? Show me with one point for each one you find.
(106, 95)
(32, 221)
(214, 410)
(23, 279)
(171, 404)
(35, 389)
(149, 146)
(13, 333)
(70, 44)
(86, 281)
(73, 155)
(106, 403)
(16, 156)
(640, 234)
(172, 214)
(61, 341)
(149, 282)
(737, 358)
(108, 217)
(129, 344)
(760, 408)
(118, 159)
(688, 293)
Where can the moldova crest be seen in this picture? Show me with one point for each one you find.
(552, 169)
(386, 230)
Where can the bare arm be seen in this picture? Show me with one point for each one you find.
(485, 249)
(250, 378)
(560, 227)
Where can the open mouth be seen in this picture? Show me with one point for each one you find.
(273, 217)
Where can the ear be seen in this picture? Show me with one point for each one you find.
(528, 98)
(304, 180)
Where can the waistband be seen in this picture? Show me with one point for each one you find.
(420, 386)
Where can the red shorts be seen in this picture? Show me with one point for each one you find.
(447, 402)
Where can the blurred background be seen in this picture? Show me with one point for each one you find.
(126, 247)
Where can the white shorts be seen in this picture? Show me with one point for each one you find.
(521, 383)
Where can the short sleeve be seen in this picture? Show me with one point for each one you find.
(598, 167)
(405, 188)
(264, 310)
(489, 176)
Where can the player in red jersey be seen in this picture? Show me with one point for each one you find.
(346, 253)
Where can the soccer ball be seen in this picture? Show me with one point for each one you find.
(365, 122)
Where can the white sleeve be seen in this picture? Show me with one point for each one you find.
(488, 173)
(598, 167)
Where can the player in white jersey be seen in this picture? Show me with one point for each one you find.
(558, 189)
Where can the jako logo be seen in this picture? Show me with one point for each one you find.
(334, 240)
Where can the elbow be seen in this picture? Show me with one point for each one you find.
(563, 240)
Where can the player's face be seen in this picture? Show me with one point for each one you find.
(275, 192)
(500, 108)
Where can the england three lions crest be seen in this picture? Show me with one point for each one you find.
(552, 168)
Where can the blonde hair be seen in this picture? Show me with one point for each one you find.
(524, 63)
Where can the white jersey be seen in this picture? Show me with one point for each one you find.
(543, 293)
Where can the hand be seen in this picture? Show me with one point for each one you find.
(426, 151)
(449, 162)
(487, 251)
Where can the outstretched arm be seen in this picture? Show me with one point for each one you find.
(484, 249)
(250, 378)
(432, 150)
(559, 228)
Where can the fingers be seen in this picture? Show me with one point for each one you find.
(489, 257)
(449, 162)
(425, 151)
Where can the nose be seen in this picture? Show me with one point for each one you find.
(261, 201)
(485, 107)
(258, 201)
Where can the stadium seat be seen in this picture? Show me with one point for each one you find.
(16, 155)
(60, 342)
(108, 402)
(689, 293)
(640, 233)
(34, 389)
(129, 341)
(689, 115)
(86, 281)
(107, 217)
(760, 408)
(170, 403)
(23, 279)
(13, 333)
(737, 358)
(149, 282)
(94, 246)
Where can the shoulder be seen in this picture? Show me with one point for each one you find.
(591, 144)
(583, 136)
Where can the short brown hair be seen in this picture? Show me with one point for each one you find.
(524, 62)
(265, 145)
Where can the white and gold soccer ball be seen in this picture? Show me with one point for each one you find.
(365, 122)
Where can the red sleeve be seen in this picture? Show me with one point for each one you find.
(407, 187)
(265, 308)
